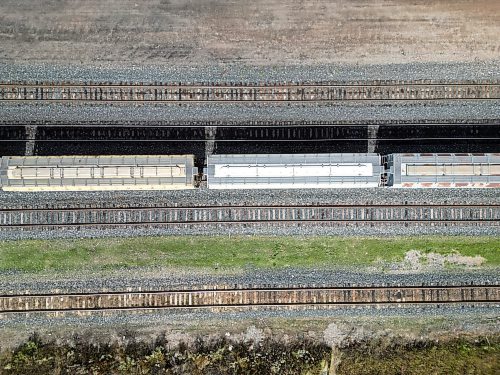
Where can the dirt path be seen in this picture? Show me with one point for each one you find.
(256, 32)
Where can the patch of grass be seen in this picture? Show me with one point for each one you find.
(453, 358)
(231, 252)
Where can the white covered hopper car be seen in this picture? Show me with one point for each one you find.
(80, 173)
(443, 170)
(293, 171)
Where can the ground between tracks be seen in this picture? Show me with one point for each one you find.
(223, 252)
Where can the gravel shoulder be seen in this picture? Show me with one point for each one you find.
(356, 324)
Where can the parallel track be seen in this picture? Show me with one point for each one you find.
(238, 215)
(245, 92)
(276, 297)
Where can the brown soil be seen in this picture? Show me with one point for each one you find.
(254, 32)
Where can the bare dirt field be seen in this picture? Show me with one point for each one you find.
(259, 32)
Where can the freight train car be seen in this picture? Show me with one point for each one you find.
(443, 170)
(293, 171)
(79, 173)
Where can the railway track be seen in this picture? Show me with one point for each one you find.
(255, 297)
(246, 92)
(238, 215)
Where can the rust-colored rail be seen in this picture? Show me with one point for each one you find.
(299, 296)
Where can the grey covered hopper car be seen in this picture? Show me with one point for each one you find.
(443, 170)
(293, 171)
(79, 173)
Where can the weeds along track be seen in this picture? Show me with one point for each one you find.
(255, 297)
(231, 92)
(238, 215)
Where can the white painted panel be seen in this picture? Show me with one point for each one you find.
(83, 172)
(114, 172)
(293, 170)
(150, 172)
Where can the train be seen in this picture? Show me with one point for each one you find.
(249, 171)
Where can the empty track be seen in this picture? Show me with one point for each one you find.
(241, 297)
(246, 92)
(237, 215)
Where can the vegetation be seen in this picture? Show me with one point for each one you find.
(481, 357)
(215, 357)
(223, 356)
(232, 252)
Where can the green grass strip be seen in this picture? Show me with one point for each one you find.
(233, 252)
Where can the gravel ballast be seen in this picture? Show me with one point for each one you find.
(204, 197)
(443, 110)
(183, 319)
